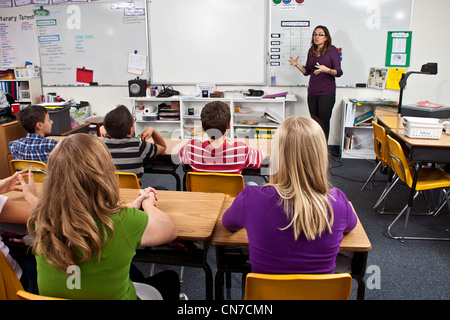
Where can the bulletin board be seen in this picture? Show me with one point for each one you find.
(96, 36)
(358, 29)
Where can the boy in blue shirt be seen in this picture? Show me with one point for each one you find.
(36, 121)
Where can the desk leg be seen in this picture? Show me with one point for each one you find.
(359, 262)
(209, 281)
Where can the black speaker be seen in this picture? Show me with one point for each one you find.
(136, 87)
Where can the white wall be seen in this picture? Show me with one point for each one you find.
(430, 43)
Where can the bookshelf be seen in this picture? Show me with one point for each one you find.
(357, 132)
(23, 90)
(249, 117)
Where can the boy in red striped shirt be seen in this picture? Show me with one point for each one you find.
(218, 154)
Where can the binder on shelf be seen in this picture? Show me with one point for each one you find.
(272, 116)
(350, 114)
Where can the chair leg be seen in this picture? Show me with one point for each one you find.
(386, 191)
(402, 238)
(371, 175)
(181, 273)
(445, 200)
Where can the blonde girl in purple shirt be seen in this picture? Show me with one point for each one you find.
(296, 222)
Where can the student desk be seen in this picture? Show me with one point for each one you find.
(194, 215)
(355, 241)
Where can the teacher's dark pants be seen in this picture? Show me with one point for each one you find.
(320, 109)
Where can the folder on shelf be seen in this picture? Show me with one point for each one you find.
(349, 114)
(272, 116)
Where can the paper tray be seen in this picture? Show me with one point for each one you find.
(423, 128)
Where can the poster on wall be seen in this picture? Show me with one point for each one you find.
(377, 78)
(16, 50)
(398, 49)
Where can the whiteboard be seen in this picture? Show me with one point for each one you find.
(208, 41)
(358, 28)
(97, 36)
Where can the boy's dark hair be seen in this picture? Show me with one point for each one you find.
(118, 122)
(216, 115)
(30, 116)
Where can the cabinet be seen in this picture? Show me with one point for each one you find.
(356, 141)
(24, 91)
(249, 117)
(8, 132)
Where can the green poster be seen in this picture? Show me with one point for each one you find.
(398, 49)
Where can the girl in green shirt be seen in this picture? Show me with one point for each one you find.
(84, 237)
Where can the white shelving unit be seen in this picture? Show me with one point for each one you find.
(246, 116)
(362, 144)
(29, 90)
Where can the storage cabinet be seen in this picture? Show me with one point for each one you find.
(23, 90)
(249, 117)
(356, 141)
(8, 132)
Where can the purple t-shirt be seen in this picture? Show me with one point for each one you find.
(323, 83)
(273, 251)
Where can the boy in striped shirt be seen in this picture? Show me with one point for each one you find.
(218, 154)
(128, 153)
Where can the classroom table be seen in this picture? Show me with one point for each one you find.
(416, 150)
(194, 215)
(355, 241)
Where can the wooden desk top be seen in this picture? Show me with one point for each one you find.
(395, 124)
(194, 213)
(354, 241)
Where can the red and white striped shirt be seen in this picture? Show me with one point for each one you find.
(228, 158)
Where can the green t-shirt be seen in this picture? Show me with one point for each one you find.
(107, 278)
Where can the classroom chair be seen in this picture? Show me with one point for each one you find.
(9, 282)
(336, 286)
(381, 149)
(428, 178)
(23, 295)
(229, 184)
(38, 168)
(128, 180)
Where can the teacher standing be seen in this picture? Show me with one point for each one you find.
(323, 64)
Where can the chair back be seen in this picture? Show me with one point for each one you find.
(9, 282)
(381, 147)
(399, 164)
(23, 295)
(38, 168)
(298, 286)
(128, 180)
(229, 184)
